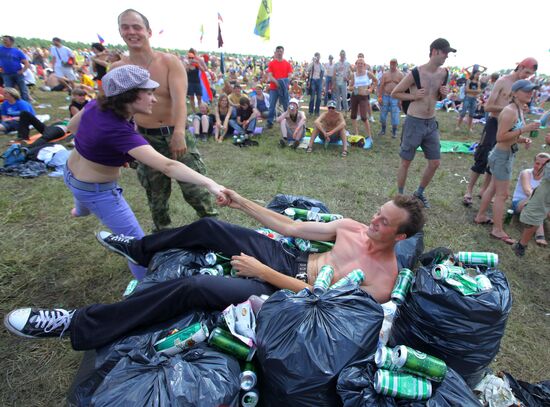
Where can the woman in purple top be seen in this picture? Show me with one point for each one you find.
(106, 140)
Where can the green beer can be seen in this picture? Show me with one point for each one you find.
(355, 277)
(402, 385)
(402, 286)
(419, 363)
(462, 283)
(227, 343)
(303, 244)
(483, 283)
(250, 398)
(442, 271)
(323, 280)
(383, 359)
(181, 340)
(248, 377)
(478, 258)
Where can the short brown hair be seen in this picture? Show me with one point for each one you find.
(414, 209)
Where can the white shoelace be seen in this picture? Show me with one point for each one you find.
(121, 238)
(50, 320)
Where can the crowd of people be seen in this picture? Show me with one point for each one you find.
(137, 110)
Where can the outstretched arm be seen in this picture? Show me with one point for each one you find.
(281, 223)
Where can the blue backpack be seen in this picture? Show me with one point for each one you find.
(14, 155)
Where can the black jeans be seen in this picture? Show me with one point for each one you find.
(99, 324)
(48, 132)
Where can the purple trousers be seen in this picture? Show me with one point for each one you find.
(106, 202)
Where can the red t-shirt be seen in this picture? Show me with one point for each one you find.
(279, 70)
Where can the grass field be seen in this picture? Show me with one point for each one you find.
(50, 259)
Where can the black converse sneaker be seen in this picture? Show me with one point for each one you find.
(422, 198)
(38, 322)
(116, 243)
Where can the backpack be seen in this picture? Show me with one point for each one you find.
(416, 76)
(14, 155)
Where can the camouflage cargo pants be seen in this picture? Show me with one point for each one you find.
(158, 186)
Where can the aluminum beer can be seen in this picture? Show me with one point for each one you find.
(224, 341)
(383, 359)
(402, 286)
(303, 244)
(211, 271)
(181, 340)
(130, 288)
(483, 283)
(250, 398)
(248, 377)
(442, 271)
(323, 280)
(419, 363)
(402, 385)
(356, 276)
(462, 283)
(210, 258)
(478, 258)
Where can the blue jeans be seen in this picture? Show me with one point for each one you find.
(390, 105)
(340, 91)
(281, 93)
(13, 80)
(109, 207)
(249, 129)
(316, 91)
(328, 81)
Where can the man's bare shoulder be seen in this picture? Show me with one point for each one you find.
(348, 223)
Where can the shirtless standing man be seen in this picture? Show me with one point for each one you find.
(420, 127)
(165, 128)
(388, 82)
(368, 247)
(498, 100)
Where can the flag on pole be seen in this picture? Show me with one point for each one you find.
(220, 39)
(202, 32)
(220, 17)
(262, 21)
(100, 38)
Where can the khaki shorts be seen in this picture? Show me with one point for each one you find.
(501, 163)
(538, 206)
(420, 132)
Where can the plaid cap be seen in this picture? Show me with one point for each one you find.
(125, 78)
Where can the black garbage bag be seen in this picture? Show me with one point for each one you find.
(304, 341)
(171, 264)
(464, 331)
(407, 251)
(282, 201)
(356, 389)
(97, 364)
(532, 395)
(198, 377)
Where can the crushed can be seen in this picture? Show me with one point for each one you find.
(181, 340)
(419, 363)
(483, 283)
(462, 283)
(402, 385)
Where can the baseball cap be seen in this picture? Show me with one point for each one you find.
(125, 78)
(524, 85)
(530, 63)
(442, 44)
(331, 103)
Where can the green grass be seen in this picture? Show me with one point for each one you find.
(49, 259)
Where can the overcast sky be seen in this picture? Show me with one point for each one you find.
(492, 33)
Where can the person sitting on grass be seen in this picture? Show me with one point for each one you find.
(331, 127)
(202, 122)
(78, 101)
(223, 113)
(293, 124)
(11, 109)
(106, 140)
(245, 122)
(537, 207)
(528, 180)
(268, 264)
